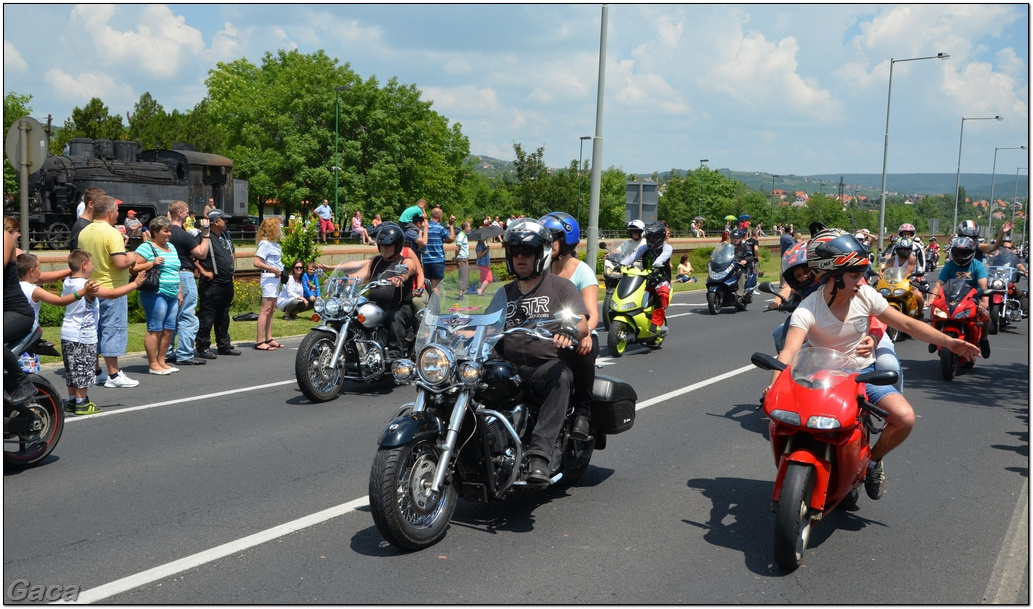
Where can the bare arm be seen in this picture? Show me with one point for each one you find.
(41, 295)
(925, 332)
(111, 293)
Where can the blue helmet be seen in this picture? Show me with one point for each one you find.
(564, 228)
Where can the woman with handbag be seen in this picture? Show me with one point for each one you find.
(269, 260)
(160, 300)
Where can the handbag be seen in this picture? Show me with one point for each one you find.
(151, 280)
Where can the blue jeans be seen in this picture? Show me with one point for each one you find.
(113, 327)
(186, 321)
(161, 311)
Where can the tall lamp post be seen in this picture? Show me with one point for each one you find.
(961, 139)
(993, 177)
(337, 121)
(773, 176)
(580, 157)
(1015, 202)
(699, 203)
(886, 144)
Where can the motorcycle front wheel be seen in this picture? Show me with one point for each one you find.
(995, 319)
(948, 363)
(792, 522)
(616, 340)
(406, 512)
(713, 303)
(27, 449)
(316, 379)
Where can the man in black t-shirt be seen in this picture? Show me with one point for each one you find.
(90, 195)
(215, 290)
(537, 294)
(190, 248)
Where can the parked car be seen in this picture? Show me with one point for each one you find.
(242, 227)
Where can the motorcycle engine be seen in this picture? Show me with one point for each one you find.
(370, 356)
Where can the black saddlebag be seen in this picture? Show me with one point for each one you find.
(613, 405)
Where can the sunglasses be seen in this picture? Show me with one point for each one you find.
(523, 251)
(299, 268)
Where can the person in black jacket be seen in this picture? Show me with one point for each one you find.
(215, 291)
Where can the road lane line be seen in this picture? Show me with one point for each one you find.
(143, 578)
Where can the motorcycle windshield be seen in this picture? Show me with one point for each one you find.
(721, 257)
(956, 289)
(820, 368)
(895, 274)
(1001, 272)
(469, 326)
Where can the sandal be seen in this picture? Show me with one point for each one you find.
(274, 344)
(264, 346)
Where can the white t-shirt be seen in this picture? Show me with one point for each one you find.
(271, 254)
(824, 330)
(80, 323)
(28, 289)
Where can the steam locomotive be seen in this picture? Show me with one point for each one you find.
(145, 181)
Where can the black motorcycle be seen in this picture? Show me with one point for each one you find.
(32, 429)
(351, 341)
(723, 273)
(465, 435)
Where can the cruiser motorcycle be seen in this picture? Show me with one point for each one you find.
(350, 343)
(466, 432)
(32, 429)
(1005, 307)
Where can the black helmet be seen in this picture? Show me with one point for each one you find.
(528, 233)
(736, 233)
(655, 232)
(963, 250)
(389, 233)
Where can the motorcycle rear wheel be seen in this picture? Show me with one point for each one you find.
(29, 449)
(713, 303)
(406, 513)
(948, 363)
(317, 381)
(575, 459)
(616, 340)
(792, 522)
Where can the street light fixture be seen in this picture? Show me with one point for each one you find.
(886, 144)
(580, 158)
(993, 177)
(337, 121)
(699, 204)
(957, 187)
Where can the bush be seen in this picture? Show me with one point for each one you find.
(299, 242)
(247, 296)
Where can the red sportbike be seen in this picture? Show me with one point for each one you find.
(955, 312)
(820, 426)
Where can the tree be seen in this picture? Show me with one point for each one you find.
(532, 188)
(149, 124)
(15, 107)
(93, 121)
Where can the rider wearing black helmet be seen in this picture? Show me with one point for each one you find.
(655, 254)
(537, 294)
(969, 228)
(962, 262)
(836, 316)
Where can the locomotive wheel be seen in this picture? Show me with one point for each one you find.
(58, 236)
(792, 522)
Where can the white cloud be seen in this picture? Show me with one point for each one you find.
(13, 59)
(465, 101)
(226, 44)
(82, 88)
(983, 92)
(1010, 63)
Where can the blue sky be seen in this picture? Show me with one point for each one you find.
(768, 87)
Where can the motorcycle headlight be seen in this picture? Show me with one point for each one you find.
(820, 422)
(997, 284)
(627, 306)
(320, 306)
(939, 314)
(786, 416)
(898, 292)
(884, 291)
(404, 370)
(470, 373)
(963, 314)
(435, 365)
(332, 307)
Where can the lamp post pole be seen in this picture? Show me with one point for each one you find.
(337, 121)
(886, 144)
(773, 176)
(961, 139)
(580, 157)
(699, 203)
(993, 177)
(1015, 202)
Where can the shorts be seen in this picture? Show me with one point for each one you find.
(161, 311)
(434, 270)
(113, 327)
(80, 362)
(877, 392)
(270, 287)
(485, 274)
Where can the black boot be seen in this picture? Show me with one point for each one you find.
(579, 431)
(984, 347)
(537, 471)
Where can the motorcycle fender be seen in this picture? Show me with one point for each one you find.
(822, 470)
(998, 298)
(413, 426)
(327, 329)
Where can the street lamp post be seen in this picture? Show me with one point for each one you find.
(961, 139)
(993, 177)
(337, 120)
(886, 144)
(699, 203)
(580, 156)
(773, 176)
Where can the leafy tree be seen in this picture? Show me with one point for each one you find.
(93, 121)
(532, 188)
(15, 107)
(149, 123)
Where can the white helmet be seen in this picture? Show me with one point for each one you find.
(637, 225)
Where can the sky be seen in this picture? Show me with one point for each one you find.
(776, 88)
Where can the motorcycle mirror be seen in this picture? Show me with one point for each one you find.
(765, 361)
(878, 377)
(766, 287)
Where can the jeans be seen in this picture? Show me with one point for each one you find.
(113, 327)
(551, 382)
(186, 321)
(161, 311)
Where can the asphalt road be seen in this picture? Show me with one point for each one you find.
(222, 484)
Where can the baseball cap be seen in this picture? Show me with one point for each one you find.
(131, 213)
(215, 214)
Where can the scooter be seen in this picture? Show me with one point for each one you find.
(631, 310)
(821, 422)
(723, 272)
(955, 313)
(32, 429)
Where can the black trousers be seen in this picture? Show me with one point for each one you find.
(16, 327)
(551, 382)
(583, 367)
(215, 298)
(399, 320)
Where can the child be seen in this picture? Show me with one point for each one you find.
(79, 330)
(310, 283)
(29, 274)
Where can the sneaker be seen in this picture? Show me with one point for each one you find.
(206, 354)
(119, 381)
(87, 408)
(875, 481)
(70, 406)
(24, 392)
(229, 351)
(102, 377)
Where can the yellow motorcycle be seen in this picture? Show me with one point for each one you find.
(895, 286)
(631, 310)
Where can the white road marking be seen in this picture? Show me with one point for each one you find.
(106, 591)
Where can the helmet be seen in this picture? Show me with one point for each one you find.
(794, 258)
(656, 233)
(833, 252)
(968, 228)
(389, 233)
(893, 238)
(564, 228)
(903, 244)
(963, 250)
(906, 228)
(736, 234)
(528, 233)
(638, 225)
(931, 239)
